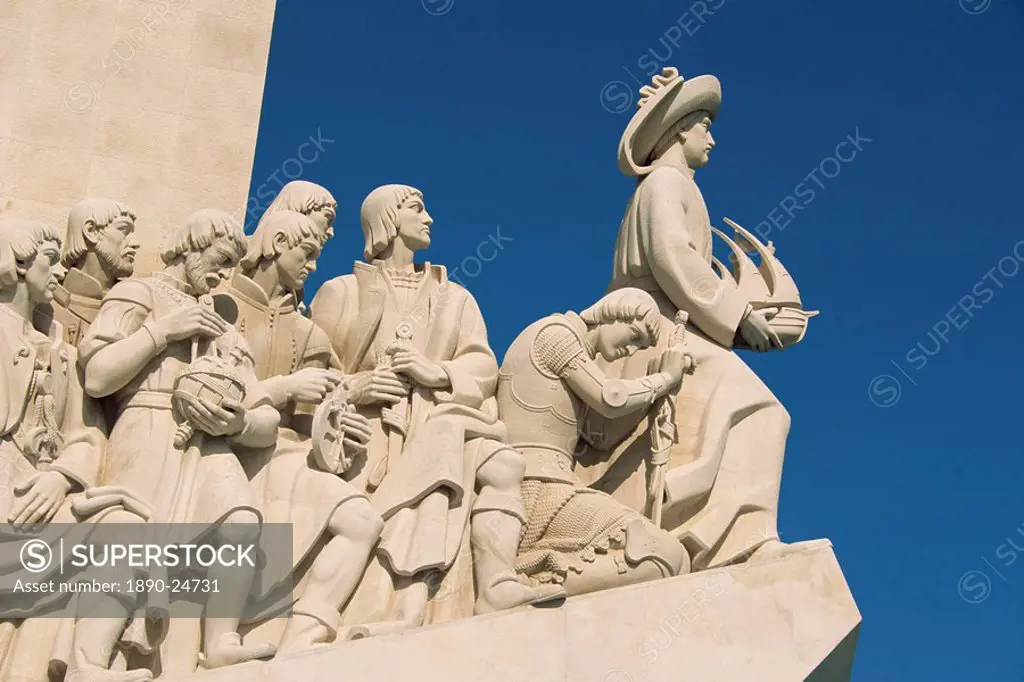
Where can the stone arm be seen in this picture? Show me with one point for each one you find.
(562, 353)
(84, 431)
(121, 341)
(683, 274)
(318, 354)
(262, 418)
(472, 368)
(261, 422)
(327, 311)
(276, 388)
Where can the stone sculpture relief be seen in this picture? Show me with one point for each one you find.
(52, 434)
(724, 470)
(148, 333)
(576, 536)
(438, 469)
(311, 200)
(292, 359)
(623, 444)
(98, 252)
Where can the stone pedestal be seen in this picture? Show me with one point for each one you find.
(153, 102)
(786, 619)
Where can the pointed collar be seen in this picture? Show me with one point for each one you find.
(78, 283)
(362, 269)
(42, 323)
(253, 294)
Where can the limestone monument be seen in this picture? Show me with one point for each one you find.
(99, 251)
(292, 359)
(576, 536)
(437, 462)
(616, 475)
(148, 333)
(725, 467)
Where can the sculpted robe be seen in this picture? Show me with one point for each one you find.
(724, 475)
(46, 423)
(451, 432)
(182, 486)
(202, 483)
(289, 487)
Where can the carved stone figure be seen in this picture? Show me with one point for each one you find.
(147, 334)
(722, 486)
(292, 356)
(309, 199)
(437, 465)
(576, 536)
(51, 433)
(314, 201)
(99, 251)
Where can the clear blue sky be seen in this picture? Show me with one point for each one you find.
(508, 114)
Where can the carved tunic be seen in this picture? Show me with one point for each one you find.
(281, 339)
(724, 473)
(664, 246)
(452, 432)
(284, 479)
(185, 486)
(46, 422)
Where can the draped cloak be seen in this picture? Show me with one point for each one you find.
(724, 473)
(201, 484)
(38, 365)
(285, 478)
(452, 432)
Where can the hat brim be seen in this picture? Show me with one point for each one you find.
(662, 111)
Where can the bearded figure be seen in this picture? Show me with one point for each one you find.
(147, 334)
(98, 251)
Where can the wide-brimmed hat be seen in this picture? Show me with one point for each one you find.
(662, 104)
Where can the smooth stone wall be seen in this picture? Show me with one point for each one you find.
(153, 102)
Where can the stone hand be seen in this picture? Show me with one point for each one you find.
(676, 362)
(40, 498)
(356, 427)
(227, 419)
(311, 385)
(422, 371)
(377, 386)
(758, 333)
(190, 321)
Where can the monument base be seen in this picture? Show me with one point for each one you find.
(784, 619)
